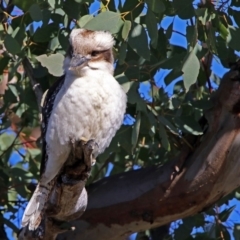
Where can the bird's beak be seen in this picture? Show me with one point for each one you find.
(77, 61)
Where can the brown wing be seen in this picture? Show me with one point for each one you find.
(46, 114)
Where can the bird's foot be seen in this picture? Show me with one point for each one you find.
(88, 148)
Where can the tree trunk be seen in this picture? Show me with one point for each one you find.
(150, 197)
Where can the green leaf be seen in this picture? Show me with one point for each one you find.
(53, 63)
(24, 5)
(188, 124)
(224, 215)
(223, 30)
(132, 72)
(152, 28)
(34, 152)
(46, 16)
(138, 41)
(182, 232)
(84, 1)
(13, 89)
(168, 124)
(19, 34)
(44, 34)
(184, 8)
(22, 108)
(232, 38)
(122, 53)
(63, 39)
(12, 45)
(211, 40)
(54, 44)
(124, 82)
(105, 21)
(204, 15)
(191, 36)
(164, 137)
(175, 73)
(235, 3)
(135, 131)
(40, 72)
(6, 140)
(84, 20)
(12, 195)
(156, 6)
(236, 231)
(190, 70)
(133, 95)
(194, 221)
(52, 3)
(135, 7)
(171, 62)
(126, 29)
(3, 63)
(72, 8)
(202, 104)
(223, 231)
(125, 132)
(35, 13)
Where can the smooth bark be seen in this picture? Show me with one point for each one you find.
(154, 196)
(147, 198)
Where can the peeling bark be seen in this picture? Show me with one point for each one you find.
(68, 199)
(154, 196)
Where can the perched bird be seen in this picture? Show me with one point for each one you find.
(86, 103)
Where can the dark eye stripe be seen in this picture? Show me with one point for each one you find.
(95, 53)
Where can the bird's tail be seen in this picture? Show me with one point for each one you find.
(35, 208)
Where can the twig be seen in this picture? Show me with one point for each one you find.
(35, 85)
(206, 63)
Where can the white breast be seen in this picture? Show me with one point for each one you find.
(92, 107)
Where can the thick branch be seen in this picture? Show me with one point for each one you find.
(68, 199)
(133, 201)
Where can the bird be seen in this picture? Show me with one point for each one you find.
(87, 102)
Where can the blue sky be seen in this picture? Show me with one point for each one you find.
(176, 39)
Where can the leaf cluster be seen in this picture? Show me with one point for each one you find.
(39, 30)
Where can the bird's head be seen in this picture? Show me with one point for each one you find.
(89, 50)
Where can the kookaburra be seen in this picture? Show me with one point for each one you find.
(86, 103)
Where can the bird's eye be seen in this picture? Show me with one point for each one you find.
(94, 53)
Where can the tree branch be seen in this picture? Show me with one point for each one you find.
(68, 199)
(35, 85)
(147, 198)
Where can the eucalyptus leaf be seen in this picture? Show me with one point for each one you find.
(12, 45)
(188, 124)
(138, 41)
(136, 129)
(53, 63)
(126, 29)
(152, 27)
(105, 21)
(35, 13)
(3, 63)
(232, 38)
(190, 70)
(156, 6)
(184, 8)
(84, 20)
